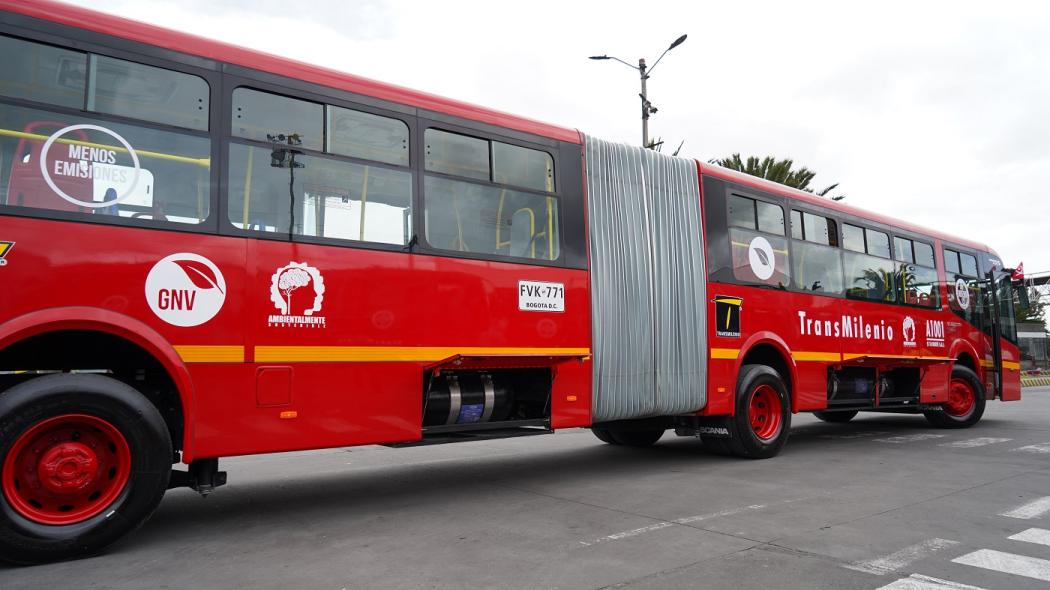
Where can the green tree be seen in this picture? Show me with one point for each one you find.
(776, 170)
(1036, 311)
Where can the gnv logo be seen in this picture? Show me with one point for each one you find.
(185, 289)
(962, 294)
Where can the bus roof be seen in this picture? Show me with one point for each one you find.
(811, 199)
(99, 22)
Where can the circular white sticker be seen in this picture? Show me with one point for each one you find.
(86, 157)
(185, 289)
(760, 256)
(962, 294)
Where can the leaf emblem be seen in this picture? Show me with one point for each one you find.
(762, 256)
(199, 274)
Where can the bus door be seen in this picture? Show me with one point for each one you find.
(999, 315)
(992, 320)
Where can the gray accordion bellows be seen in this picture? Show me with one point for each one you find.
(647, 283)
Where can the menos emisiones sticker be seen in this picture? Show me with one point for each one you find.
(185, 289)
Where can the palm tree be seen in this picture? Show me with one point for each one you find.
(778, 171)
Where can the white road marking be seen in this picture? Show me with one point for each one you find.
(1039, 448)
(907, 438)
(1033, 509)
(1040, 536)
(850, 435)
(1018, 565)
(663, 525)
(921, 582)
(975, 442)
(899, 559)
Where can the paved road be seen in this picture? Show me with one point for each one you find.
(882, 502)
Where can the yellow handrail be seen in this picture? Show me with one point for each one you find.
(206, 162)
(364, 201)
(248, 186)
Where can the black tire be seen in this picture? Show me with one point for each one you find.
(88, 408)
(836, 417)
(954, 415)
(604, 435)
(637, 438)
(744, 441)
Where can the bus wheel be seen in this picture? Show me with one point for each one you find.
(965, 404)
(84, 460)
(835, 417)
(604, 435)
(637, 438)
(763, 414)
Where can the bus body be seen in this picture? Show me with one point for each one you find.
(213, 252)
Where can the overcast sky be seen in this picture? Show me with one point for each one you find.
(938, 113)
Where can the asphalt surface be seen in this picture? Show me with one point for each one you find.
(885, 501)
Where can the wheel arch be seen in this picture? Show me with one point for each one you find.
(766, 348)
(92, 325)
(963, 353)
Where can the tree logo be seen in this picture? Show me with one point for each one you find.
(297, 291)
(185, 289)
(909, 331)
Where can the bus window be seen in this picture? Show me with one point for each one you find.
(869, 272)
(91, 171)
(266, 117)
(332, 198)
(42, 73)
(916, 276)
(467, 217)
(128, 89)
(770, 218)
(964, 286)
(458, 155)
(521, 166)
(816, 266)
(742, 212)
(968, 265)
(367, 136)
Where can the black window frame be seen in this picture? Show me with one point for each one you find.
(89, 42)
(419, 218)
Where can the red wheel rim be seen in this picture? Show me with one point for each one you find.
(66, 469)
(765, 412)
(961, 398)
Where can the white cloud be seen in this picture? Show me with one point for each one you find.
(938, 113)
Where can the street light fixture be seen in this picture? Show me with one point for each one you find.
(643, 73)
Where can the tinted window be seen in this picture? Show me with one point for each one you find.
(869, 277)
(796, 224)
(878, 243)
(458, 155)
(759, 258)
(852, 237)
(902, 249)
(92, 172)
(817, 229)
(265, 117)
(923, 254)
(42, 73)
(968, 264)
(742, 212)
(817, 268)
(468, 217)
(332, 198)
(951, 261)
(522, 167)
(367, 136)
(770, 218)
(144, 92)
(919, 285)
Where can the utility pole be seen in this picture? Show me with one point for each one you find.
(644, 73)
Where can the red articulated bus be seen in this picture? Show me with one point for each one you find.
(210, 252)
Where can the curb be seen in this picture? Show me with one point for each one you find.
(1034, 381)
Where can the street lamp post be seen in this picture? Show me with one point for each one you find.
(644, 73)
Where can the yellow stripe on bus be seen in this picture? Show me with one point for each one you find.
(827, 357)
(727, 354)
(210, 354)
(1011, 365)
(366, 354)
